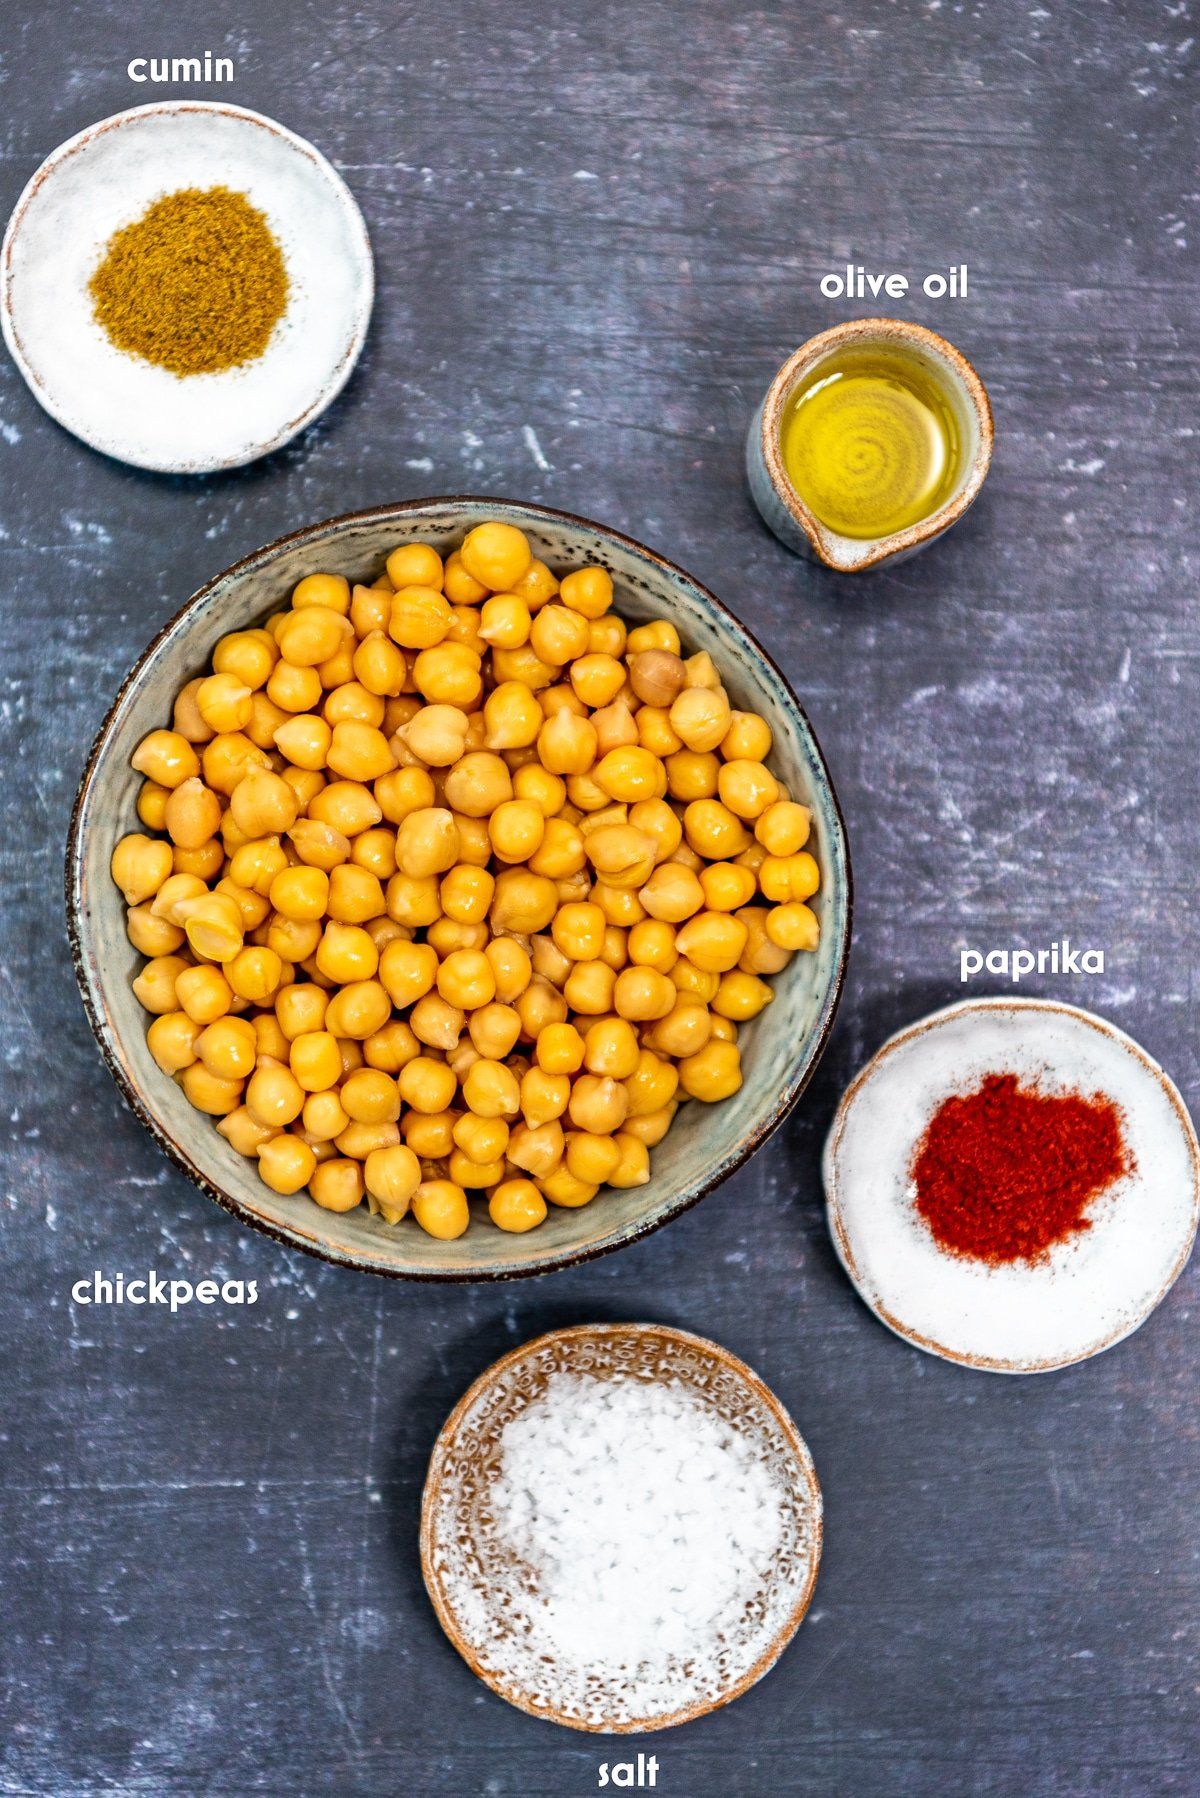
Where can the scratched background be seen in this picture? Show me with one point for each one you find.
(599, 229)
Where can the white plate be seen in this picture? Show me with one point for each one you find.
(1093, 1289)
(106, 177)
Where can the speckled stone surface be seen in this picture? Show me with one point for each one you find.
(598, 232)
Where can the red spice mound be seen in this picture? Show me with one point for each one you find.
(1005, 1171)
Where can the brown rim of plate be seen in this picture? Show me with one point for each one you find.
(296, 1237)
(82, 140)
(923, 1027)
(804, 1461)
(856, 331)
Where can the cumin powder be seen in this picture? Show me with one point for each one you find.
(196, 285)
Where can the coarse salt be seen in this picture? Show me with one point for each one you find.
(648, 1524)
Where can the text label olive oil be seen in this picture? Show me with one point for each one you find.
(870, 441)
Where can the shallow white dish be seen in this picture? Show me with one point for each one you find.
(106, 177)
(1093, 1289)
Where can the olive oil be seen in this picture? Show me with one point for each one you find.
(870, 441)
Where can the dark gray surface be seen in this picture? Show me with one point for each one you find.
(605, 225)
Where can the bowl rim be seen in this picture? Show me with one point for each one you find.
(360, 320)
(930, 1023)
(875, 549)
(803, 1462)
(77, 932)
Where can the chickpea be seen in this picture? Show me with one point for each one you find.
(561, 851)
(316, 1060)
(346, 953)
(171, 1040)
(727, 886)
(243, 1132)
(620, 905)
(591, 1159)
(629, 775)
(210, 1092)
(741, 996)
(544, 1096)
(358, 1010)
(448, 674)
(652, 1126)
(400, 794)
(347, 805)
(491, 1090)
(415, 565)
(206, 861)
(301, 1008)
(523, 902)
(651, 1086)
(413, 902)
(460, 587)
(715, 1072)
(465, 979)
(274, 1096)
(511, 966)
(643, 994)
(140, 867)
(789, 877)
(191, 813)
(793, 926)
(255, 973)
(566, 743)
(672, 893)
(370, 1096)
(478, 783)
(213, 926)
(150, 935)
(558, 635)
(293, 689)
(621, 855)
(482, 1139)
(522, 665)
(578, 931)
(589, 988)
(186, 721)
(300, 893)
(747, 739)
(685, 1030)
(713, 831)
(310, 636)
(152, 805)
(359, 752)
(598, 1104)
(698, 983)
(746, 788)
(440, 1207)
(657, 634)
(505, 620)
(537, 1148)
(657, 677)
(713, 941)
(512, 716)
(427, 843)
(562, 1188)
(293, 939)
(337, 1185)
(654, 733)
(517, 1206)
(597, 679)
(611, 1048)
(651, 944)
(427, 1085)
(155, 987)
(496, 555)
(323, 1118)
(494, 1029)
(616, 727)
(392, 1046)
(633, 1162)
(167, 758)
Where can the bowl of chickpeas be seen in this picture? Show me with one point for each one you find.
(457, 890)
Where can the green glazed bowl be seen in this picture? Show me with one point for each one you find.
(706, 1142)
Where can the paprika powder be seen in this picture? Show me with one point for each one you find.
(1004, 1172)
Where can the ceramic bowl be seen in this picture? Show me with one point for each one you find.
(1093, 1289)
(467, 1570)
(105, 178)
(782, 508)
(706, 1143)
